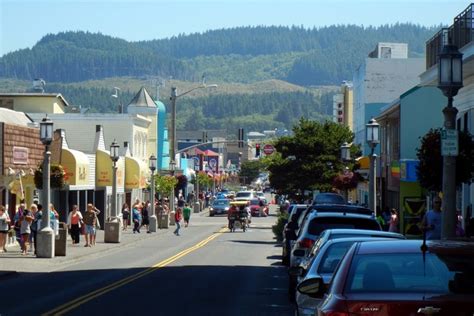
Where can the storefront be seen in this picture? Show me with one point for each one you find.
(136, 173)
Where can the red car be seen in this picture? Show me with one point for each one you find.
(399, 278)
(255, 207)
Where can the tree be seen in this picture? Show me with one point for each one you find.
(165, 184)
(430, 168)
(310, 158)
(249, 170)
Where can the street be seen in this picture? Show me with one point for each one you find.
(205, 271)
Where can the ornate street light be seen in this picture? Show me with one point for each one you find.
(345, 152)
(112, 235)
(450, 80)
(372, 129)
(172, 168)
(46, 234)
(153, 220)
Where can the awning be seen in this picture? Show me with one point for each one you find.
(211, 153)
(364, 162)
(76, 167)
(135, 173)
(103, 170)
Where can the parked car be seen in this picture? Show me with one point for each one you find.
(323, 266)
(399, 278)
(330, 234)
(290, 229)
(218, 207)
(314, 225)
(329, 198)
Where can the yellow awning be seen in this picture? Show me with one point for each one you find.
(135, 173)
(364, 162)
(103, 170)
(76, 167)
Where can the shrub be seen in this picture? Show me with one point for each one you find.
(278, 227)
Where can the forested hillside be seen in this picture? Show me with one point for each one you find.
(302, 56)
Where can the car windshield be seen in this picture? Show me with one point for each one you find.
(243, 194)
(319, 224)
(221, 202)
(333, 255)
(410, 273)
(253, 202)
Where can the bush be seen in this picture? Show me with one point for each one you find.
(278, 227)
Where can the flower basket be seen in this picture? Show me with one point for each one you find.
(56, 178)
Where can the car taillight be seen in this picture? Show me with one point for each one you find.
(306, 243)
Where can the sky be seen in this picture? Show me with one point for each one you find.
(23, 23)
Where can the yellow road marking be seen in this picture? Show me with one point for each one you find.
(60, 310)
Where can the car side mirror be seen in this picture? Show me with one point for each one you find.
(313, 287)
(295, 271)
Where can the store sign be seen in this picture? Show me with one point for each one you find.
(20, 155)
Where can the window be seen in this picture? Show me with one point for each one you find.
(409, 273)
(319, 224)
(332, 256)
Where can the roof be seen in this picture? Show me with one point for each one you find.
(35, 95)
(364, 232)
(414, 246)
(341, 208)
(142, 98)
(209, 152)
(14, 118)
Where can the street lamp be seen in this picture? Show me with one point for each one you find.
(372, 138)
(450, 80)
(112, 230)
(46, 234)
(172, 168)
(174, 96)
(153, 220)
(345, 152)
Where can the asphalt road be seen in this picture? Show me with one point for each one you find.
(205, 271)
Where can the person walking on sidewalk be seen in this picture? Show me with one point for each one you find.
(432, 221)
(25, 230)
(125, 215)
(137, 219)
(186, 214)
(33, 227)
(90, 220)
(74, 222)
(178, 217)
(145, 216)
(4, 221)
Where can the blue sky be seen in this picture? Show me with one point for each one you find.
(23, 23)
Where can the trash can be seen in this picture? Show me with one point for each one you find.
(171, 216)
(60, 241)
(112, 231)
(163, 220)
(197, 207)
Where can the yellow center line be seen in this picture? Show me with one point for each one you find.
(60, 310)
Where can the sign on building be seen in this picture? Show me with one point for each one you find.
(449, 142)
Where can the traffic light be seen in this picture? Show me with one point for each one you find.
(204, 137)
(241, 137)
(257, 150)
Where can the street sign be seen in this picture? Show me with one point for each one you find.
(268, 149)
(449, 142)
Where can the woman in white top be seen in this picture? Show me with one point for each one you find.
(4, 221)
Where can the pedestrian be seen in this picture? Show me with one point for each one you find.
(145, 216)
(125, 215)
(4, 221)
(186, 214)
(178, 217)
(33, 227)
(386, 215)
(90, 220)
(394, 221)
(25, 230)
(17, 224)
(97, 223)
(137, 219)
(74, 223)
(181, 202)
(432, 221)
(459, 230)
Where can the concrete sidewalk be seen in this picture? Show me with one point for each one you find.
(13, 262)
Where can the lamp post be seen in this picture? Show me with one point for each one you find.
(46, 234)
(112, 226)
(450, 80)
(153, 220)
(372, 138)
(172, 167)
(174, 96)
(345, 157)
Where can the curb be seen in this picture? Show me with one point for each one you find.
(7, 274)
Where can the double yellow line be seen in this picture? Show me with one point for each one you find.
(60, 310)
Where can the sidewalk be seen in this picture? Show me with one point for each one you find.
(13, 262)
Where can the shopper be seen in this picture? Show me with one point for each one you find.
(125, 215)
(90, 220)
(33, 227)
(186, 214)
(74, 223)
(178, 217)
(4, 221)
(145, 216)
(25, 230)
(432, 221)
(394, 221)
(137, 218)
